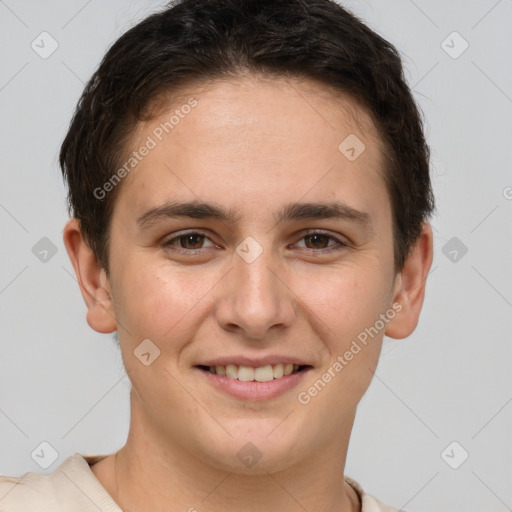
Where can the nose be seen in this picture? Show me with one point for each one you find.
(255, 300)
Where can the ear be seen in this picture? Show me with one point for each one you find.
(92, 279)
(409, 290)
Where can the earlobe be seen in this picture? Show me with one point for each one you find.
(410, 286)
(92, 279)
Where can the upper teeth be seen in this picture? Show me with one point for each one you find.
(261, 374)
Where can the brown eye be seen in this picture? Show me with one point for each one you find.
(317, 241)
(191, 241)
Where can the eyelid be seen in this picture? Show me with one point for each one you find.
(341, 241)
(176, 236)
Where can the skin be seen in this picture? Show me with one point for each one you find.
(251, 145)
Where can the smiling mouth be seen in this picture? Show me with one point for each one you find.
(249, 374)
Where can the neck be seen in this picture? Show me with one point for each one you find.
(178, 478)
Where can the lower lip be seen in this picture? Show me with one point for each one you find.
(254, 390)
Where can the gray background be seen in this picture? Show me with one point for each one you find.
(62, 383)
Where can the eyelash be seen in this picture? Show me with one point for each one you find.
(339, 243)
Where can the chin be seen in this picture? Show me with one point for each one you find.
(255, 450)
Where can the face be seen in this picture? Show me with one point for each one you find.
(246, 237)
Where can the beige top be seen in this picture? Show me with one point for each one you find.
(73, 487)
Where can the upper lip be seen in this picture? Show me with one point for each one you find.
(253, 361)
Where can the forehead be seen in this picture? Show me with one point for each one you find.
(260, 135)
(250, 100)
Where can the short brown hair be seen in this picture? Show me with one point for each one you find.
(199, 40)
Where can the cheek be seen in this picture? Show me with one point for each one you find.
(155, 299)
(346, 299)
(348, 303)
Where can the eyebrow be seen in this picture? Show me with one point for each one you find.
(290, 212)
